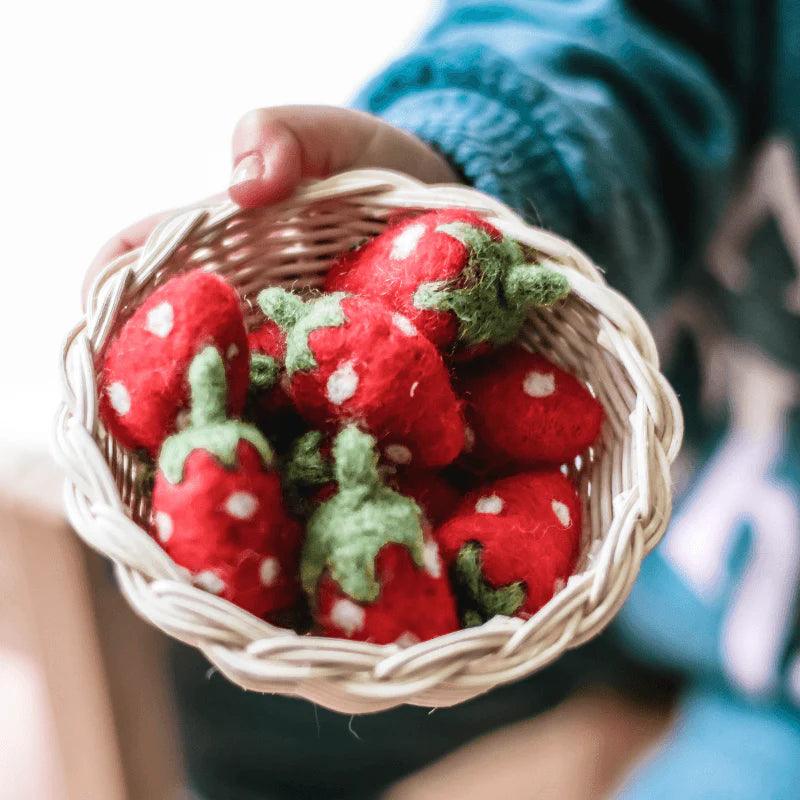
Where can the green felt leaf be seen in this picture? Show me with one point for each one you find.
(264, 372)
(298, 319)
(496, 290)
(483, 600)
(220, 440)
(346, 533)
(209, 428)
(305, 464)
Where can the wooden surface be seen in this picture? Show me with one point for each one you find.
(95, 721)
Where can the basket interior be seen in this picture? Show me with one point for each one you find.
(294, 248)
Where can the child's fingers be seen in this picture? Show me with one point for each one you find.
(123, 242)
(275, 148)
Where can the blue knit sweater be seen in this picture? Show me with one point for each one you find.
(624, 126)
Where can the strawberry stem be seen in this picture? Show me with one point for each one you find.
(263, 372)
(305, 465)
(282, 307)
(210, 429)
(208, 387)
(495, 290)
(482, 600)
(355, 461)
(299, 319)
(531, 285)
(346, 533)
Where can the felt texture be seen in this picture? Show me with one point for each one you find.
(522, 541)
(267, 352)
(142, 375)
(432, 492)
(545, 494)
(217, 503)
(413, 605)
(346, 532)
(309, 478)
(351, 359)
(453, 275)
(210, 429)
(524, 411)
(194, 523)
(487, 601)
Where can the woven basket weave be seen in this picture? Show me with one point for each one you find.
(596, 334)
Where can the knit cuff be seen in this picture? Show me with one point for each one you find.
(503, 133)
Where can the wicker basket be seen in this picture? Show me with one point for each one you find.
(596, 334)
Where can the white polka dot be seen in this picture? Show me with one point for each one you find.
(397, 453)
(407, 639)
(492, 504)
(539, 384)
(348, 616)
(342, 383)
(268, 571)
(413, 390)
(232, 352)
(430, 558)
(241, 505)
(406, 242)
(404, 325)
(469, 439)
(210, 581)
(164, 526)
(160, 320)
(183, 419)
(562, 512)
(119, 398)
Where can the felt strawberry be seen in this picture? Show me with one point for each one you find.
(453, 275)
(352, 359)
(217, 504)
(524, 411)
(369, 569)
(142, 382)
(511, 544)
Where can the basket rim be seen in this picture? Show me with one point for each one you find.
(360, 676)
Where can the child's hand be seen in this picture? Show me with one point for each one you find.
(275, 148)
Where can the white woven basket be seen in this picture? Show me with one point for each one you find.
(596, 334)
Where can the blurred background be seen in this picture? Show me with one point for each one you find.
(114, 111)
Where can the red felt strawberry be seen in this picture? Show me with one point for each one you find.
(352, 359)
(546, 494)
(523, 411)
(217, 504)
(453, 275)
(369, 569)
(142, 384)
(512, 545)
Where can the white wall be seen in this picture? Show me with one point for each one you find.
(114, 110)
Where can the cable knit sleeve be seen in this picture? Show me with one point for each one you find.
(584, 117)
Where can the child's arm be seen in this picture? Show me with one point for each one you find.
(609, 126)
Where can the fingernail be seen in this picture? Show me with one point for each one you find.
(250, 168)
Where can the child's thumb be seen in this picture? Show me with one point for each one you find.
(275, 148)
